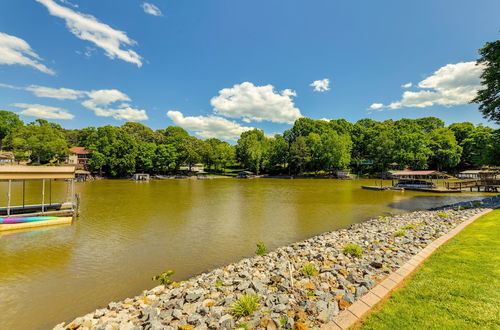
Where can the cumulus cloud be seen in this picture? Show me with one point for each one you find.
(257, 103)
(407, 85)
(321, 85)
(43, 111)
(87, 27)
(209, 126)
(14, 50)
(452, 84)
(376, 106)
(102, 102)
(56, 93)
(151, 9)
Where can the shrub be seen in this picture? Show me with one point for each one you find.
(246, 305)
(464, 207)
(353, 250)
(383, 219)
(442, 215)
(409, 227)
(477, 203)
(242, 325)
(164, 278)
(399, 233)
(261, 249)
(309, 270)
(283, 321)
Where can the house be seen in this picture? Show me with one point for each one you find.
(194, 168)
(79, 156)
(472, 174)
(6, 158)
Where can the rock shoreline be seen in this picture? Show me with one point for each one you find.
(290, 296)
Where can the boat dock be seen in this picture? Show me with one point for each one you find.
(47, 213)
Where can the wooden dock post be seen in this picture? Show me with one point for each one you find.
(43, 194)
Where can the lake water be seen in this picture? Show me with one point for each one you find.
(129, 231)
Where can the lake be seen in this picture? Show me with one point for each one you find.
(129, 231)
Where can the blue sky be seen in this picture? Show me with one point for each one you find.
(219, 67)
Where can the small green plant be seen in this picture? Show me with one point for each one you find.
(309, 270)
(383, 219)
(399, 233)
(218, 284)
(242, 325)
(261, 249)
(442, 215)
(164, 278)
(409, 227)
(477, 203)
(464, 207)
(310, 294)
(246, 305)
(353, 250)
(283, 321)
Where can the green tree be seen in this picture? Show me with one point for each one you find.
(96, 162)
(279, 153)
(165, 158)
(9, 122)
(42, 140)
(146, 154)
(489, 97)
(139, 132)
(480, 147)
(445, 150)
(252, 149)
(300, 155)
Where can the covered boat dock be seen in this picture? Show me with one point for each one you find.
(36, 215)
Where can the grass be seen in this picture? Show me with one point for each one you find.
(261, 249)
(442, 215)
(246, 305)
(457, 287)
(399, 233)
(353, 250)
(309, 270)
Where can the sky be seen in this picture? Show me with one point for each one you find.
(220, 67)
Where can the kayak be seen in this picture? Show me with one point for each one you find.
(4, 221)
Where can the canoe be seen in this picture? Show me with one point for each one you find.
(4, 221)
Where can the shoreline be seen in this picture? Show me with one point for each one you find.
(287, 295)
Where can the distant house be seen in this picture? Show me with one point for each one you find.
(194, 168)
(7, 158)
(79, 156)
(471, 174)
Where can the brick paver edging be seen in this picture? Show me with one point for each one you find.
(350, 316)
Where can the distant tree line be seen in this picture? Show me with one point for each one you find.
(313, 146)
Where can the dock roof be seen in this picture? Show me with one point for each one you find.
(421, 174)
(36, 172)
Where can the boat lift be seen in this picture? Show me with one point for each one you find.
(46, 174)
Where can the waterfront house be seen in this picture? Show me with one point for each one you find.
(194, 168)
(79, 156)
(418, 179)
(472, 174)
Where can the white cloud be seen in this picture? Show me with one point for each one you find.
(14, 50)
(101, 102)
(407, 85)
(452, 84)
(87, 27)
(43, 111)
(151, 9)
(256, 103)
(322, 85)
(69, 3)
(56, 93)
(209, 126)
(376, 106)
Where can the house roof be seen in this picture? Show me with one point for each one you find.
(475, 171)
(80, 150)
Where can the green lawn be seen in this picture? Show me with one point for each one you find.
(458, 287)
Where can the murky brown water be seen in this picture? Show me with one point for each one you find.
(129, 231)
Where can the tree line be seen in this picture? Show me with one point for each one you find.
(312, 146)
